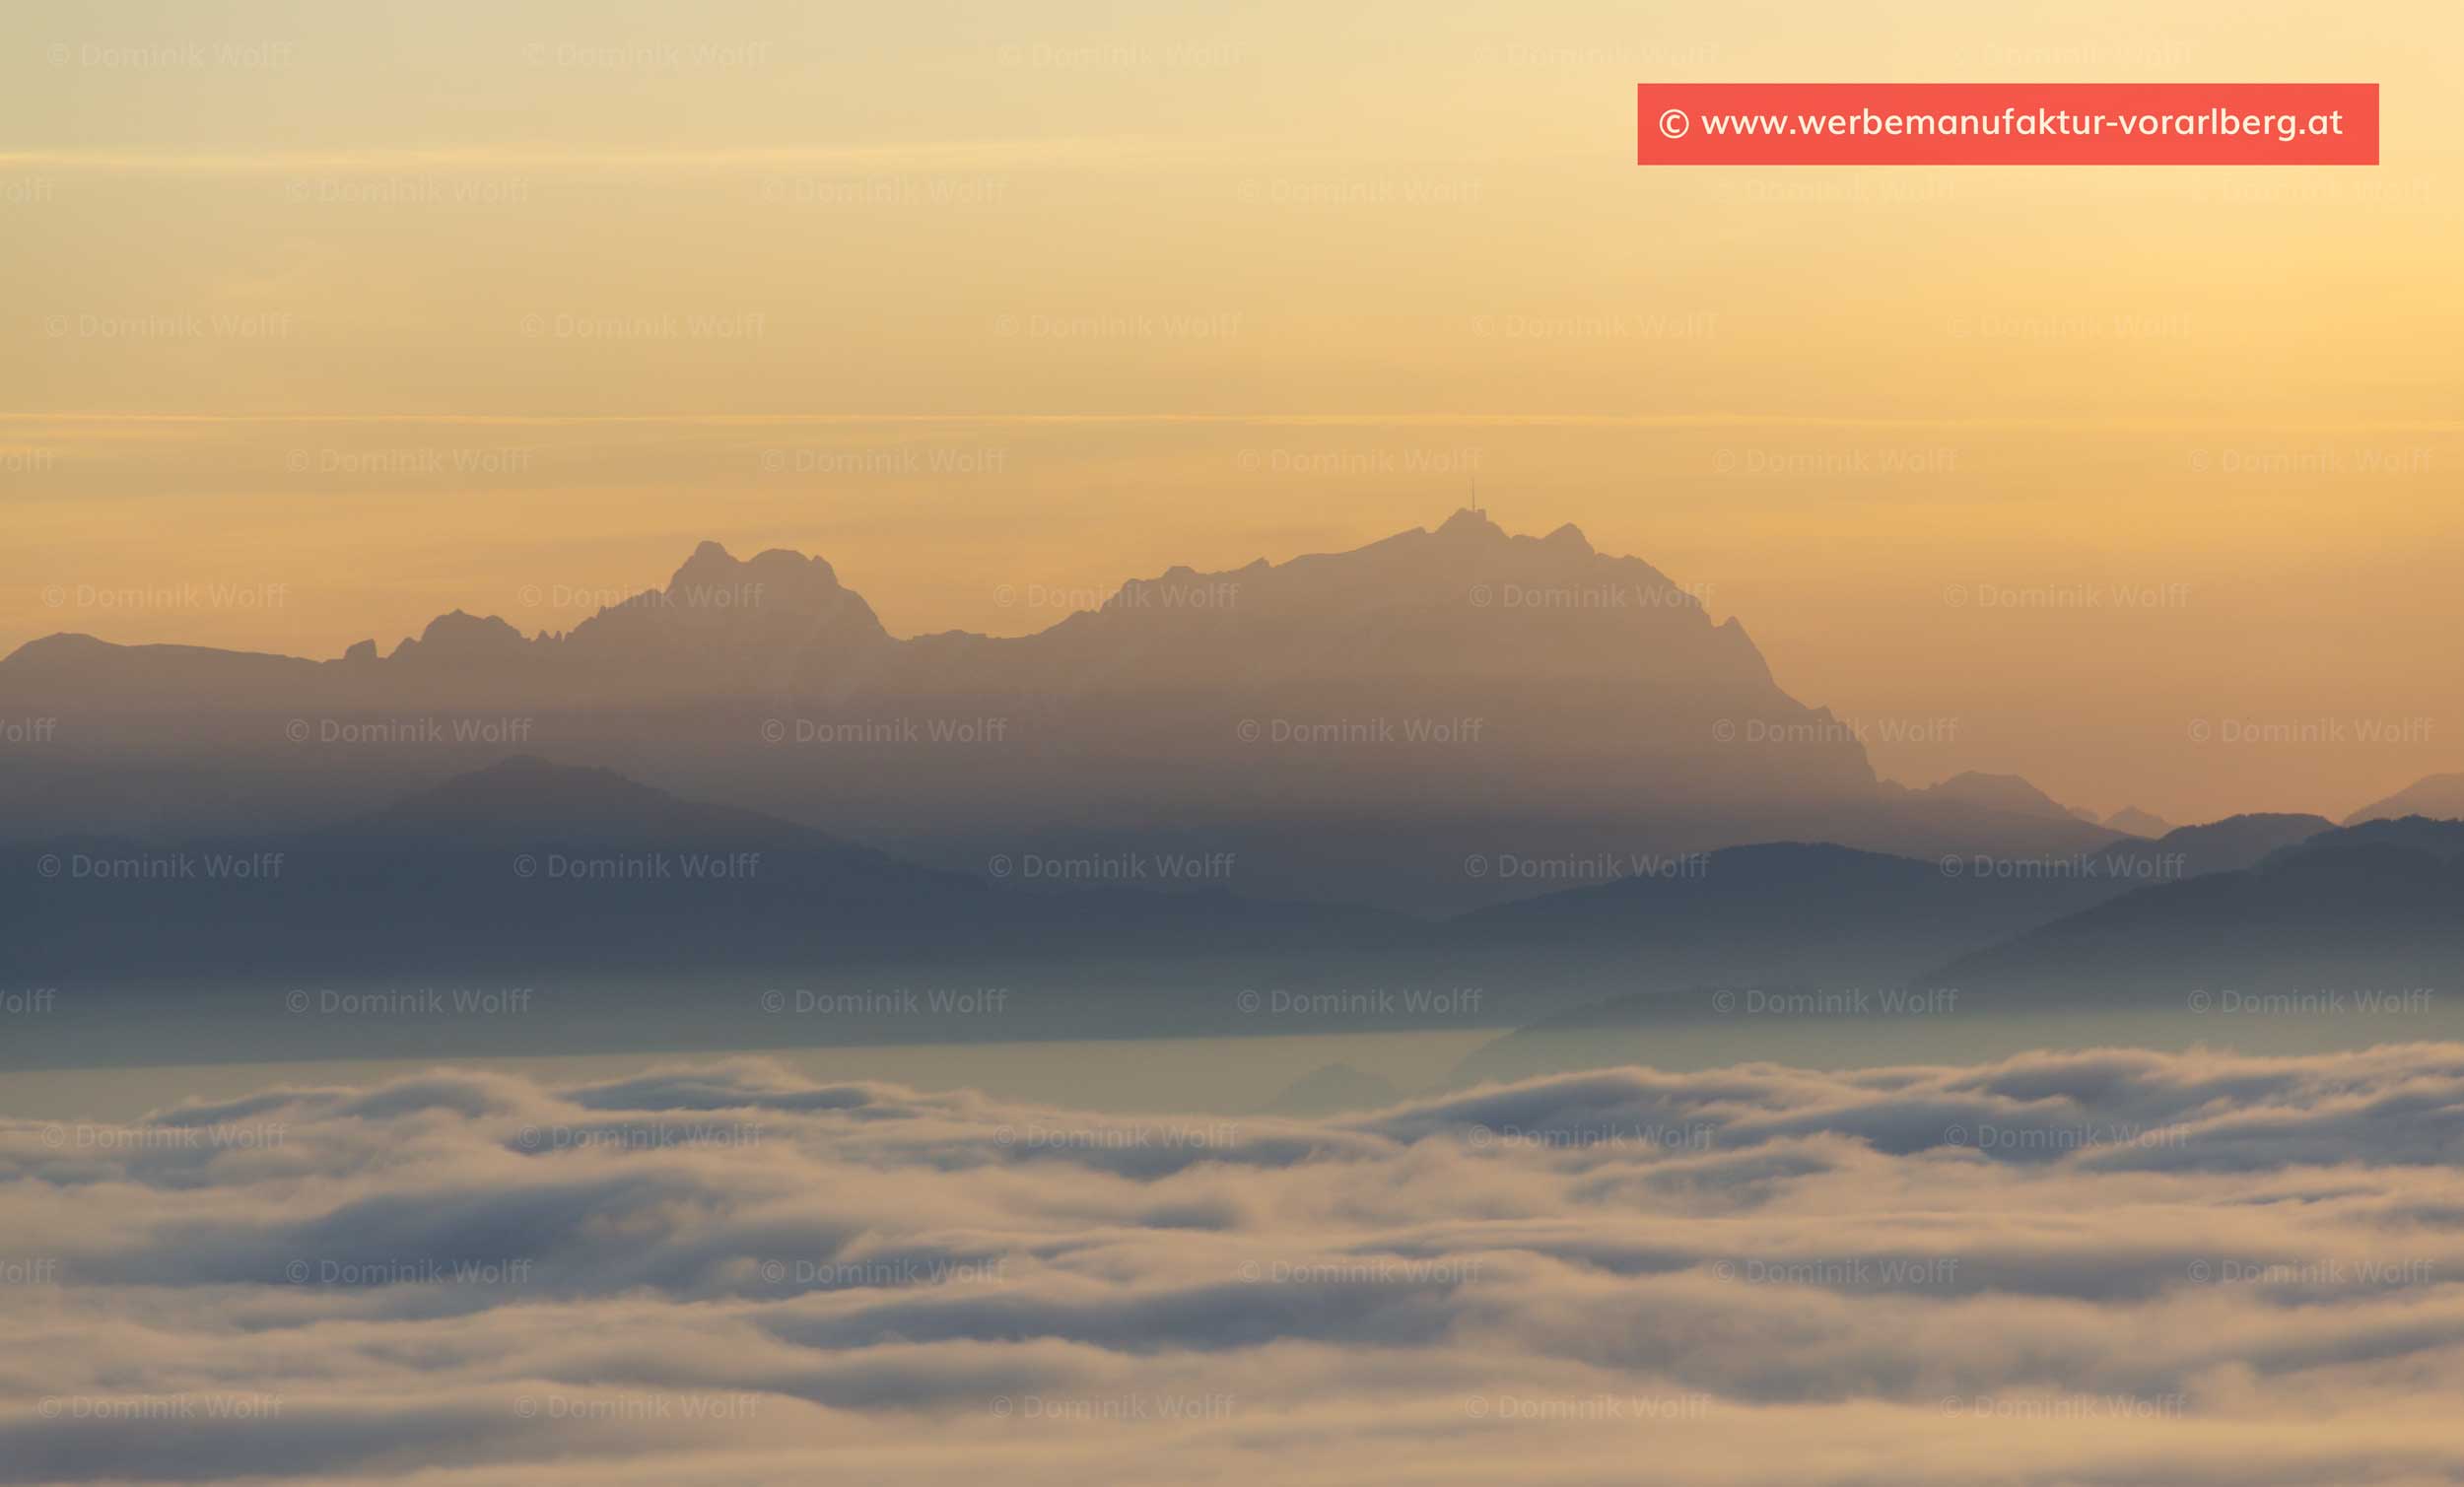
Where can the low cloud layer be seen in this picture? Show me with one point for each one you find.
(2112, 1266)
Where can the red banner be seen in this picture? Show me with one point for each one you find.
(2007, 124)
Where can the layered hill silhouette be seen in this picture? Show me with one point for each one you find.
(533, 867)
(1346, 725)
(2376, 907)
(527, 866)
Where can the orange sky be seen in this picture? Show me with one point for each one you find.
(329, 323)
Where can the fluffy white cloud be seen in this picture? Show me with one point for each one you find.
(2106, 1266)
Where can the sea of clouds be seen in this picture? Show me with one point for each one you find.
(2103, 1268)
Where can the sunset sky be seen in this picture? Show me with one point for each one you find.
(326, 323)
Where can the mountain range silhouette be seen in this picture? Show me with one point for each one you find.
(1346, 726)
